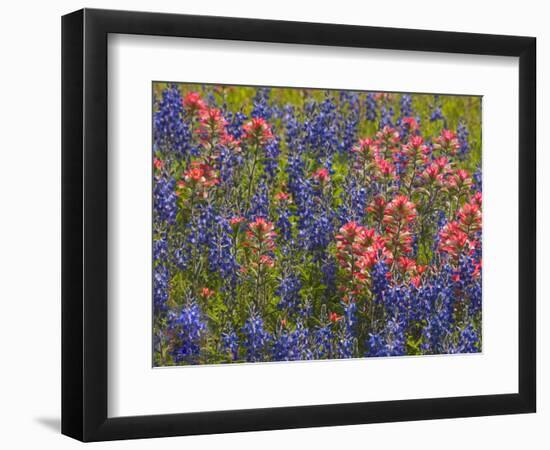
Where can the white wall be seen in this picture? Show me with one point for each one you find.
(30, 222)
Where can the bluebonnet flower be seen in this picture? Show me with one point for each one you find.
(189, 328)
(389, 342)
(474, 291)
(316, 231)
(261, 107)
(235, 122)
(161, 279)
(228, 161)
(205, 221)
(171, 133)
(392, 336)
(328, 269)
(182, 247)
(400, 160)
(380, 283)
(220, 255)
(230, 343)
(469, 282)
(405, 104)
(441, 221)
(371, 107)
(256, 338)
(271, 155)
(463, 134)
(160, 248)
(478, 182)
(376, 345)
(165, 200)
(320, 128)
(315, 226)
(305, 311)
(386, 117)
(284, 226)
(436, 113)
(354, 202)
(292, 345)
(181, 256)
(439, 301)
(323, 338)
(350, 120)
(296, 180)
(468, 341)
(211, 96)
(259, 205)
(347, 342)
(289, 292)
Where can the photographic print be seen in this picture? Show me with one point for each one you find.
(310, 224)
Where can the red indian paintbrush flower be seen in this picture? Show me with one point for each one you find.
(236, 220)
(229, 141)
(365, 149)
(357, 250)
(377, 208)
(258, 131)
(476, 198)
(461, 235)
(411, 123)
(388, 135)
(321, 175)
(452, 240)
(415, 149)
(385, 168)
(399, 211)
(199, 178)
(267, 261)
(211, 126)
(365, 153)
(158, 163)
(260, 239)
(437, 172)
(236, 223)
(260, 235)
(193, 102)
(387, 141)
(398, 217)
(283, 197)
(406, 264)
(447, 143)
(469, 217)
(207, 293)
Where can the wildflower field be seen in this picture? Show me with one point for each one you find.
(300, 224)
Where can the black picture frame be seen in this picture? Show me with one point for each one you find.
(84, 224)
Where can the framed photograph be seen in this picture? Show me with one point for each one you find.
(274, 225)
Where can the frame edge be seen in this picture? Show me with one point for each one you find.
(72, 323)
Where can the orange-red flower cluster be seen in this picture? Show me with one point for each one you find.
(399, 215)
(461, 235)
(193, 102)
(211, 124)
(321, 175)
(447, 143)
(260, 238)
(199, 178)
(357, 250)
(409, 267)
(257, 131)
